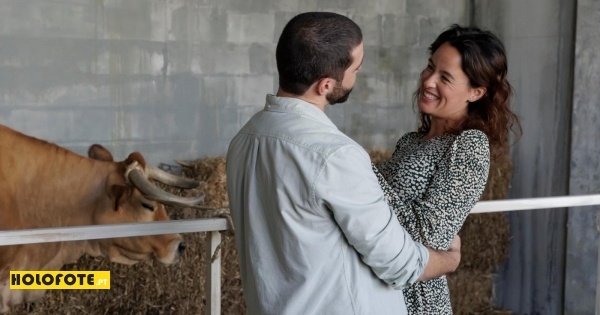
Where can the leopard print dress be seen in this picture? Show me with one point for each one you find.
(432, 185)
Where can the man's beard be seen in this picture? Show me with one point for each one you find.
(338, 95)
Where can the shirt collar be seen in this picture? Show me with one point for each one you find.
(297, 106)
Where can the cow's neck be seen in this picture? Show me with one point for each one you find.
(55, 187)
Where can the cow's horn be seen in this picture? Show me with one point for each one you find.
(136, 176)
(170, 179)
(187, 164)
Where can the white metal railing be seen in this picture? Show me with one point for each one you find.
(212, 287)
(536, 203)
(214, 225)
(94, 232)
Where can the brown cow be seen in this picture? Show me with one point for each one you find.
(43, 185)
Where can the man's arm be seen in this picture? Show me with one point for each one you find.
(442, 262)
(348, 189)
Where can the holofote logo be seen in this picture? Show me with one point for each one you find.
(59, 280)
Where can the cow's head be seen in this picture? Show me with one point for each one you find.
(131, 197)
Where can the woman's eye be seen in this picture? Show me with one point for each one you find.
(148, 206)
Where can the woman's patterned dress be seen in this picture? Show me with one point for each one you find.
(432, 185)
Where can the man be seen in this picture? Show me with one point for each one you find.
(313, 231)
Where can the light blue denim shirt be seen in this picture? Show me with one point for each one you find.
(313, 231)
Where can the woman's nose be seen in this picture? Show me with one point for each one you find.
(428, 79)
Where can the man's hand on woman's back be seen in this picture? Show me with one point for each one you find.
(442, 262)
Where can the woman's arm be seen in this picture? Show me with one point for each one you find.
(457, 184)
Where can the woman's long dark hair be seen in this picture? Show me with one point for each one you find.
(484, 63)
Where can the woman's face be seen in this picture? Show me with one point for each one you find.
(445, 90)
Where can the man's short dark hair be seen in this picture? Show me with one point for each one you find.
(313, 46)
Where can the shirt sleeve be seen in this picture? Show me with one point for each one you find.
(348, 188)
(457, 184)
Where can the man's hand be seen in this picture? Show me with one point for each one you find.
(442, 262)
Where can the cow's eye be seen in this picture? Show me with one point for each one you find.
(148, 206)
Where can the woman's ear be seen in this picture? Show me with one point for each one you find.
(476, 94)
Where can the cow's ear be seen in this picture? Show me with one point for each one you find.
(137, 157)
(98, 152)
(118, 192)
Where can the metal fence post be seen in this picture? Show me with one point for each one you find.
(212, 290)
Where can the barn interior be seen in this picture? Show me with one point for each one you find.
(176, 79)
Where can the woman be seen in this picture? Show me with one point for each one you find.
(437, 174)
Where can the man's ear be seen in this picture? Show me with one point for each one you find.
(325, 85)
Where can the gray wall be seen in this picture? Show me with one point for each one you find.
(539, 41)
(582, 295)
(554, 67)
(177, 79)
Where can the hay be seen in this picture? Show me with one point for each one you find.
(211, 173)
(151, 288)
(471, 292)
(498, 178)
(379, 156)
(145, 288)
(485, 241)
(485, 238)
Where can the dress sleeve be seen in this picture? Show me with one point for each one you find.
(457, 184)
(348, 188)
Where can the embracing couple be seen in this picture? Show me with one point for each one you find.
(319, 229)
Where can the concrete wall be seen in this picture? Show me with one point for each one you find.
(539, 39)
(553, 65)
(582, 287)
(178, 78)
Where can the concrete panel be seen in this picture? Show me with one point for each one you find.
(539, 47)
(395, 30)
(386, 6)
(371, 25)
(232, 59)
(262, 59)
(582, 277)
(457, 12)
(252, 89)
(250, 28)
(39, 18)
(198, 23)
(539, 18)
